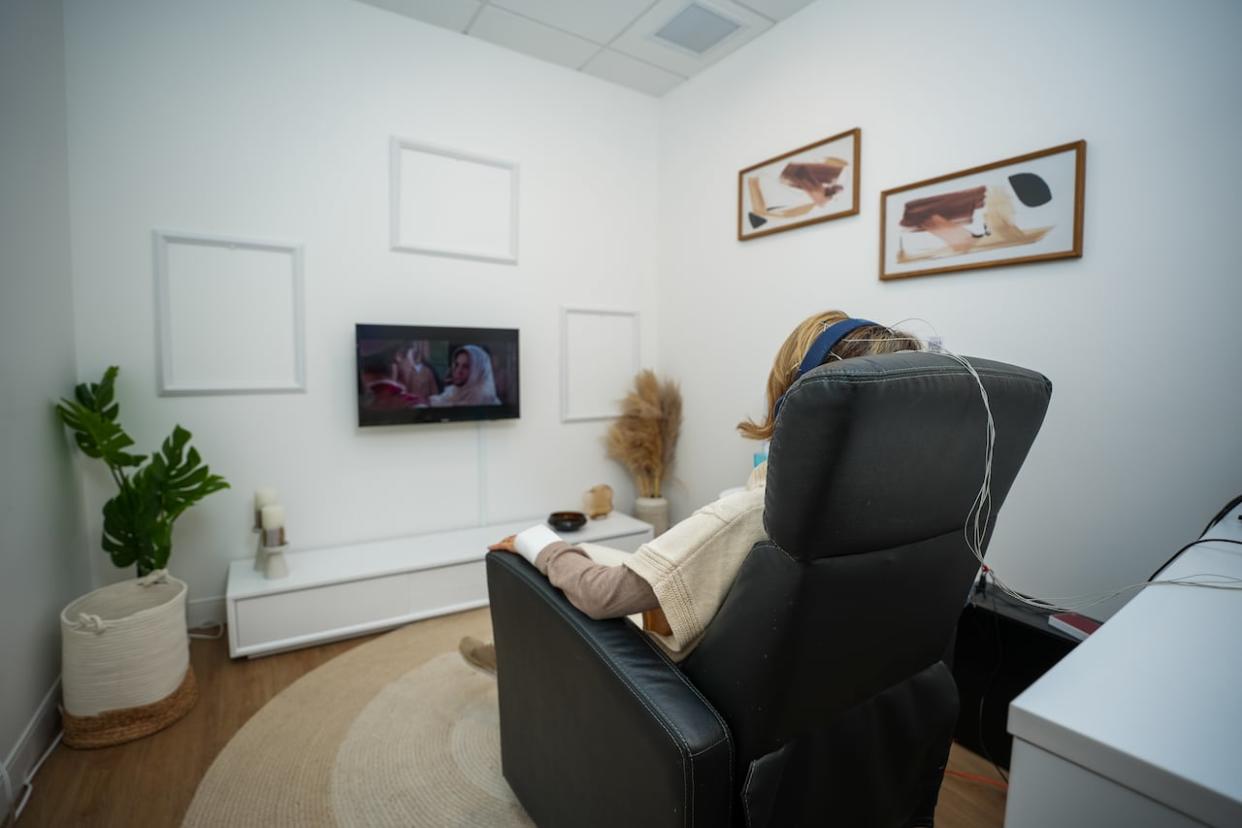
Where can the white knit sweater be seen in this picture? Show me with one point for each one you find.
(691, 566)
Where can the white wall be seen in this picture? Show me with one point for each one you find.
(42, 566)
(272, 120)
(1140, 336)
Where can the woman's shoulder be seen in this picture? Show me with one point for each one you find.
(736, 505)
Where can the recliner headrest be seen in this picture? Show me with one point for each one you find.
(876, 452)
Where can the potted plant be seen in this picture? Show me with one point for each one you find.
(138, 522)
(125, 657)
(643, 440)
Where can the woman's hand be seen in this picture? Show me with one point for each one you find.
(528, 543)
(504, 545)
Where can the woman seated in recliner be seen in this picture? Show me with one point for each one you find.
(686, 572)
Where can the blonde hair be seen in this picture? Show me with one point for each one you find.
(865, 341)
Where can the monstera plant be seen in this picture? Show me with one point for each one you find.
(138, 522)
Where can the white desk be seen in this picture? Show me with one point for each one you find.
(343, 591)
(1141, 725)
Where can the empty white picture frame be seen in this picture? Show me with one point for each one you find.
(229, 315)
(599, 358)
(451, 203)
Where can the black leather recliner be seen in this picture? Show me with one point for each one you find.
(817, 695)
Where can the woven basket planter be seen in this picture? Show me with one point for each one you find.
(125, 660)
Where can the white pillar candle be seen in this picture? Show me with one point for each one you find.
(273, 517)
(264, 497)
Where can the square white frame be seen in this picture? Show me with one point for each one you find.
(396, 146)
(568, 416)
(168, 387)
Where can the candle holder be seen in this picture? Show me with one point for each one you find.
(268, 538)
(269, 524)
(274, 563)
(259, 557)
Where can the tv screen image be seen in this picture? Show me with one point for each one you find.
(421, 374)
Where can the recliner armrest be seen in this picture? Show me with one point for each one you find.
(597, 726)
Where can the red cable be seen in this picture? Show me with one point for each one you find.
(973, 777)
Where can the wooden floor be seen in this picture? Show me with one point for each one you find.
(151, 782)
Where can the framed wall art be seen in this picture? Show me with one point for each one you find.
(818, 182)
(600, 355)
(229, 315)
(1020, 210)
(451, 203)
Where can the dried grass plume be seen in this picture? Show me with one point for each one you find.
(644, 437)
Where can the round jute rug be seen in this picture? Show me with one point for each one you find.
(397, 731)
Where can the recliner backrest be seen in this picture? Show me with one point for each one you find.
(873, 467)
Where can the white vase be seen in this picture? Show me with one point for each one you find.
(653, 510)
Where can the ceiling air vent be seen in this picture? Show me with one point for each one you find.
(696, 29)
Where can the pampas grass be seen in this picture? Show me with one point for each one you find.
(644, 437)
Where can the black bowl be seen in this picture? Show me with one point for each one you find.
(567, 521)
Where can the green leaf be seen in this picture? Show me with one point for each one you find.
(104, 391)
(161, 544)
(92, 416)
(84, 396)
(179, 476)
(97, 436)
(130, 519)
(138, 522)
(98, 396)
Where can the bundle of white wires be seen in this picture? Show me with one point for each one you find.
(979, 515)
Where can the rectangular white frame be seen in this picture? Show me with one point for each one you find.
(396, 146)
(568, 416)
(168, 387)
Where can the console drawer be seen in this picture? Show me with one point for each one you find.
(306, 612)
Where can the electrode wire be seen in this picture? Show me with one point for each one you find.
(979, 515)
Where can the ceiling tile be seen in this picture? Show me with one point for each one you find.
(775, 9)
(625, 70)
(535, 39)
(596, 20)
(637, 41)
(451, 14)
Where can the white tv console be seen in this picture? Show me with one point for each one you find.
(343, 591)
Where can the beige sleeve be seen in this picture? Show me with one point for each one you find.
(599, 591)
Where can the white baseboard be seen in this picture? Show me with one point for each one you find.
(39, 733)
(203, 611)
(6, 797)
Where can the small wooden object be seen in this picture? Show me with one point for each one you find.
(598, 501)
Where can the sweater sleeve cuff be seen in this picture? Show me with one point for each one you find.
(531, 542)
(549, 553)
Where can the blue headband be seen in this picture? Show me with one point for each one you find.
(823, 344)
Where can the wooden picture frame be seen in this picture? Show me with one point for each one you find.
(819, 181)
(1004, 213)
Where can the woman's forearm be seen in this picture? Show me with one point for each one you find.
(599, 591)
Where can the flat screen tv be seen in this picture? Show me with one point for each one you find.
(419, 374)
